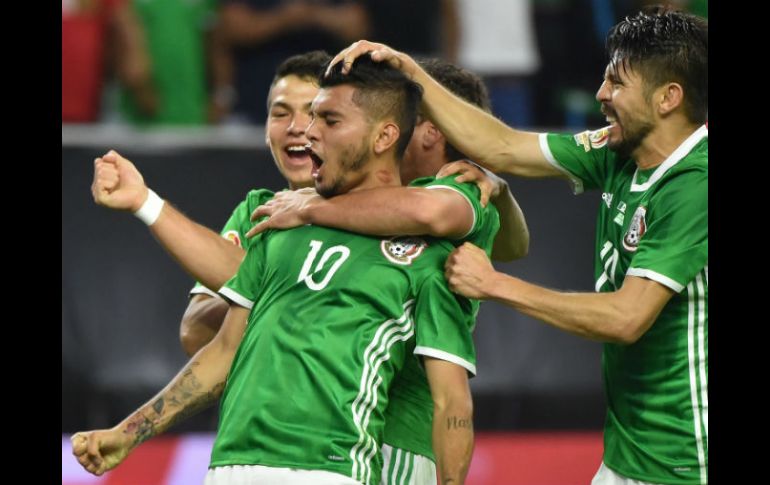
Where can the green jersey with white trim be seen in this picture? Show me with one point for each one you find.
(654, 224)
(237, 226)
(334, 317)
(409, 416)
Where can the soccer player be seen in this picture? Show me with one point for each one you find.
(413, 210)
(321, 320)
(651, 305)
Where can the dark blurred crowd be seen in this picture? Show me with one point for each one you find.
(198, 62)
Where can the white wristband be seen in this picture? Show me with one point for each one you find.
(150, 210)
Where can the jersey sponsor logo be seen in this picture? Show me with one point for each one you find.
(592, 139)
(636, 230)
(403, 250)
(619, 218)
(233, 237)
(622, 207)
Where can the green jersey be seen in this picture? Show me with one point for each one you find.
(409, 416)
(237, 226)
(653, 224)
(334, 316)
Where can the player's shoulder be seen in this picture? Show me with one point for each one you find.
(256, 197)
(260, 194)
(691, 170)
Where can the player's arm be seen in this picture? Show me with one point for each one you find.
(201, 321)
(512, 239)
(474, 132)
(452, 419)
(382, 211)
(622, 316)
(196, 386)
(201, 252)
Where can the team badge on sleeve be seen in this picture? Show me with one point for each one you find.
(636, 230)
(592, 139)
(233, 237)
(403, 250)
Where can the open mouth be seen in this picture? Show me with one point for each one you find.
(297, 154)
(317, 161)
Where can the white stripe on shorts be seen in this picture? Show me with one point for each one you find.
(401, 467)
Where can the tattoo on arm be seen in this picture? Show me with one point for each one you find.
(185, 395)
(157, 406)
(459, 422)
(141, 427)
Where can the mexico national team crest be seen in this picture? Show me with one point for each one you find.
(636, 230)
(233, 237)
(403, 250)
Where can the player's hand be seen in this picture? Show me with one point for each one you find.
(117, 183)
(284, 211)
(101, 450)
(469, 272)
(378, 52)
(489, 184)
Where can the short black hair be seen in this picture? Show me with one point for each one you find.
(307, 66)
(665, 45)
(461, 82)
(381, 91)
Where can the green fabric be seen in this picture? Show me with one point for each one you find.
(336, 315)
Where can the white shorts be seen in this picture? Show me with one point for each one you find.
(269, 475)
(605, 476)
(401, 467)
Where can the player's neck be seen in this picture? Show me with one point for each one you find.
(661, 143)
(382, 173)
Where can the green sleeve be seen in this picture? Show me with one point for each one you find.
(444, 323)
(674, 246)
(237, 226)
(584, 157)
(244, 287)
(486, 220)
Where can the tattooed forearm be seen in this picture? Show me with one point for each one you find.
(157, 406)
(459, 422)
(186, 396)
(197, 402)
(186, 389)
(141, 427)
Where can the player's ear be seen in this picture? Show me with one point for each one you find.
(387, 136)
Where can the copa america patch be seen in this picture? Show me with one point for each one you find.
(636, 229)
(599, 138)
(403, 250)
(233, 237)
(592, 139)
